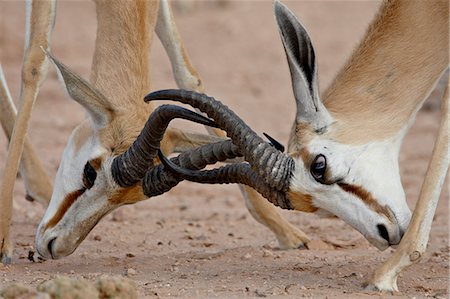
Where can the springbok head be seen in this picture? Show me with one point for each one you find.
(357, 181)
(101, 167)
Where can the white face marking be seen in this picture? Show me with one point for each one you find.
(373, 167)
(87, 209)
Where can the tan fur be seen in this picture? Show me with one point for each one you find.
(127, 196)
(120, 72)
(301, 133)
(34, 71)
(37, 183)
(377, 93)
(407, 46)
(301, 202)
(414, 243)
(376, 96)
(81, 134)
(120, 67)
(288, 236)
(125, 127)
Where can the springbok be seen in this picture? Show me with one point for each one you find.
(88, 184)
(344, 146)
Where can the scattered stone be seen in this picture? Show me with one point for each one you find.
(260, 293)
(267, 253)
(97, 238)
(247, 256)
(131, 272)
(129, 254)
(31, 256)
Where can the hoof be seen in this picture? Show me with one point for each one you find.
(6, 260)
(303, 246)
(386, 289)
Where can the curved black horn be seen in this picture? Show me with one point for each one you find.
(158, 180)
(241, 173)
(130, 167)
(272, 165)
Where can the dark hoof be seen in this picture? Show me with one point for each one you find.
(303, 246)
(6, 260)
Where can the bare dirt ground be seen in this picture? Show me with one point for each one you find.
(200, 241)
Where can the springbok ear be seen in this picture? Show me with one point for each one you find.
(302, 64)
(96, 104)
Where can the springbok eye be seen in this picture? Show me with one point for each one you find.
(89, 176)
(318, 168)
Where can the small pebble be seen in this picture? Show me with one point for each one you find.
(247, 256)
(267, 253)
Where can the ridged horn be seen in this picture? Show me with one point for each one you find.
(131, 166)
(241, 173)
(159, 180)
(272, 165)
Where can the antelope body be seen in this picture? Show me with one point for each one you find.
(90, 181)
(343, 149)
(344, 146)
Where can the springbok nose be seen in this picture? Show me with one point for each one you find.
(392, 236)
(382, 230)
(50, 246)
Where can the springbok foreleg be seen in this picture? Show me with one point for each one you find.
(184, 73)
(288, 236)
(187, 77)
(414, 243)
(36, 180)
(35, 65)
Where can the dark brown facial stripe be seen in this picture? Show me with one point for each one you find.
(367, 198)
(66, 204)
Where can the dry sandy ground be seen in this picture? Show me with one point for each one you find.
(199, 241)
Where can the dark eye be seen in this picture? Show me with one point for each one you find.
(318, 168)
(89, 176)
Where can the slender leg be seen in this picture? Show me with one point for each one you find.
(414, 243)
(184, 73)
(288, 236)
(36, 180)
(187, 78)
(34, 71)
